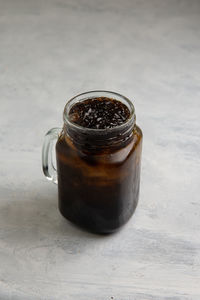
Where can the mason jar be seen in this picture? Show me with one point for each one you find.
(98, 170)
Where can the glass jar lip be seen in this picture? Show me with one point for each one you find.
(131, 108)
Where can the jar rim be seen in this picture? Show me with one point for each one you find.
(83, 96)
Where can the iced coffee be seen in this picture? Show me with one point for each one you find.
(98, 162)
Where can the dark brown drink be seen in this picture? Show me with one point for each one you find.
(98, 164)
(99, 113)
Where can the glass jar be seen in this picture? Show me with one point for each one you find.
(98, 170)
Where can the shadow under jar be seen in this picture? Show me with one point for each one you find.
(98, 170)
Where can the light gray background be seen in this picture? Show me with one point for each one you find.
(150, 52)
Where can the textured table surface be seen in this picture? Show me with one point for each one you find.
(150, 52)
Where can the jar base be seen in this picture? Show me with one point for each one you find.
(100, 230)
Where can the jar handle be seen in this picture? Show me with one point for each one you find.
(48, 165)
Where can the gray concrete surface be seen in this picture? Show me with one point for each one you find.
(150, 52)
